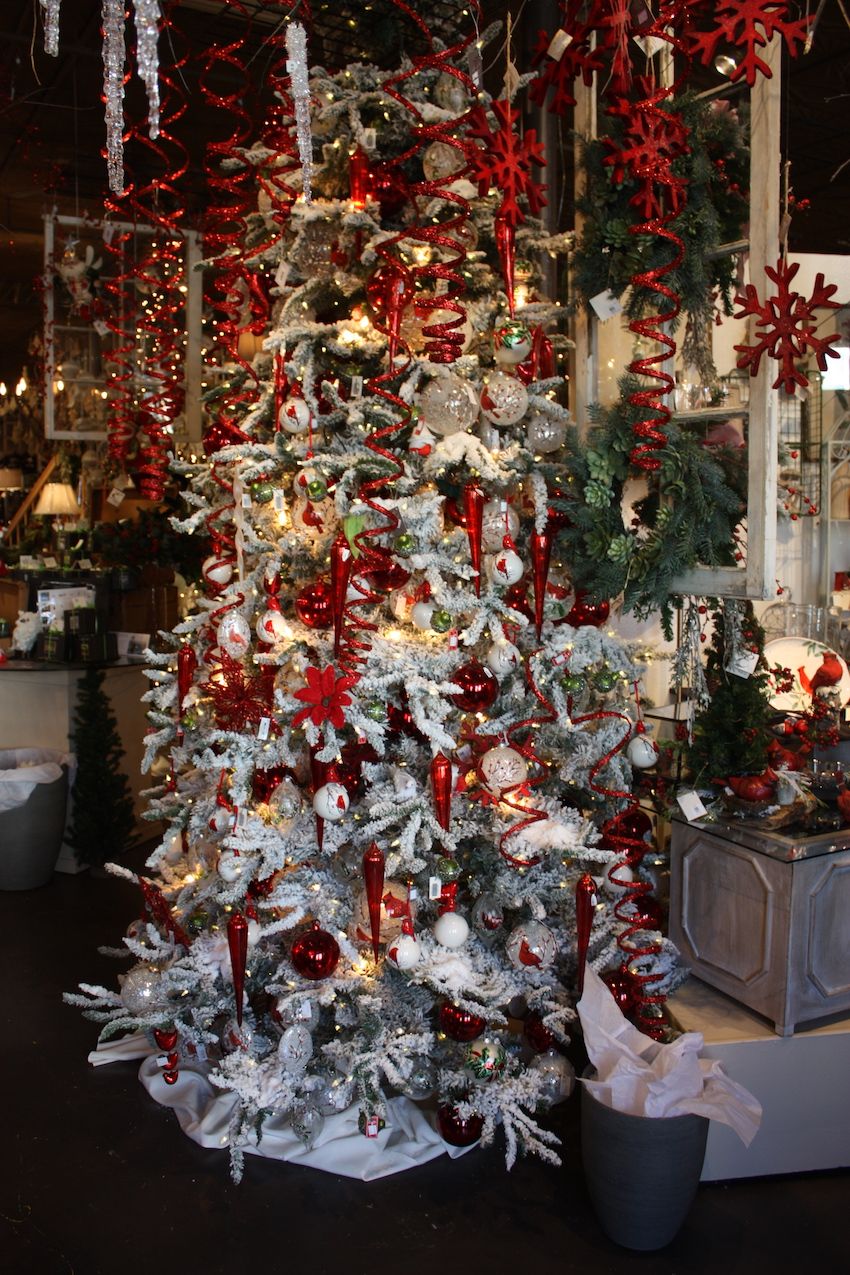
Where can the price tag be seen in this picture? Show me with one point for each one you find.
(246, 500)
(101, 328)
(241, 817)
(357, 387)
(372, 1126)
(605, 305)
(305, 1010)
(691, 805)
(85, 564)
(476, 66)
(452, 639)
(201, 1051)
(413, 894)
(162, 1060)
(368, 139)
(115, 497)
(279, 500)
(650, 44)
(263, 728)
(282, 274)
(435, 888)
(563, 657)
(558, 45)
(744, 664)
(51, 562)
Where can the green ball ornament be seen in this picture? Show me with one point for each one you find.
(405, 542)
(197, 922)
(377, 712)
(448, 869)
(441, 621)
(605, 680)
(189, 721)
(573, 683)
(317, 490)
(262, 493)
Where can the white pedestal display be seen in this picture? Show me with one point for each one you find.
(800, 1080)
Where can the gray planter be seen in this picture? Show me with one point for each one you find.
(31, 836)
(642, 1173)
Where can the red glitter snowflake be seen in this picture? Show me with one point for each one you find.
(574, 54)
(506, 160)
(239, 699)
(786, 326)
(748, 25)
(653, 141)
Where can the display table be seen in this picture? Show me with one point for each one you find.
(800, 1081)
(764, 916)
(37, 706)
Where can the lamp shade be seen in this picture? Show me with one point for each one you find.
(57, 498)
(11, 479)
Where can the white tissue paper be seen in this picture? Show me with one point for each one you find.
(642, 1077)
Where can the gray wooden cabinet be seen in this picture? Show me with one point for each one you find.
(764, 917)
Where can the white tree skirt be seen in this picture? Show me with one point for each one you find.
(409, 1138)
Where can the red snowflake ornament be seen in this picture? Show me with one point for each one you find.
(749, 25)
(654, 139)
(238, 699)
(506, 160)
(786, 326)
(324, 696)
(569, 54)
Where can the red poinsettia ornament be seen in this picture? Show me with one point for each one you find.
(325, 697)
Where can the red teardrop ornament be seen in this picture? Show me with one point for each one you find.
(237, 941)
(373, 875)
(441, 787)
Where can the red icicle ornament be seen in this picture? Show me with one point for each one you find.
(473, 511)
(506, 248)
(342, 561)
(373, 875)
(359, 177)
(441, 787)
(237, 941)
(585, 905)
(541, 551)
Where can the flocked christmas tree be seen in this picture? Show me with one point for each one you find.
(395, 738)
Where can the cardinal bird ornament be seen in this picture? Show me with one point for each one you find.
(829, 674)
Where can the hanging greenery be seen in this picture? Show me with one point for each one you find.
(716, 170)
(630, 536)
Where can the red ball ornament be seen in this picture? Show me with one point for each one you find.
(583, 612)
(459, 1024)
(647, 913)
(314, 605)
(621, 986)
(453, 512)
(386, 579)
(537, 1033)
(479, 687)
(516, 597)
(454, 1129)
(315, 954)
(631, 823)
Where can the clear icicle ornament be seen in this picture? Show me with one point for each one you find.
(50, 15)
(147, 33)
(113, 90)
(296, 66)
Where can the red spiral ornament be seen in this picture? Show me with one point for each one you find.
(526, 748)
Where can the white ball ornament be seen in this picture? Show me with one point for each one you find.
(421, 614)
(447, 404)
(502, 768)
(221, 819)
(331, 802)
(531, 945)
(294, 416)
(295, 1048)
(544, 434)
(502, 658)
(506, 567)
(230, 866)
(512, 342)
(272, 627)
(451, 930)
(451, 94)
(498, 519)
(141, 990)
(217, 572)
(285, 799)
(558, 1077)
(504, 399)
(394, 908)
(405, 951)
(441, 160)
(234, 634)
(642, 752)
(314, 518)
(486, 1058)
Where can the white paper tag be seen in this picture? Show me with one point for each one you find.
(108, 232)
(435, 887)
(650, 44)
(305, 1010)
(559, 43)
(368, 139)
(476, 66)
(453, 639)
(263, 728)
(279, 500)
(161, 1060)
(201, 1051)
(372, 1127)
(282, 274)
(606, 305)
(246, 500)
(51, 562)
(115, 497)
(85, 564)
(242, 813)
(101, 328)
(357, 387)
(412, 894)
(743, 664)
(691, 805)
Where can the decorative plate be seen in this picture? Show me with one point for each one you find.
(812, 664)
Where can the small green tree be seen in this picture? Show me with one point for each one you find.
(731, 734)
(103, 819)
